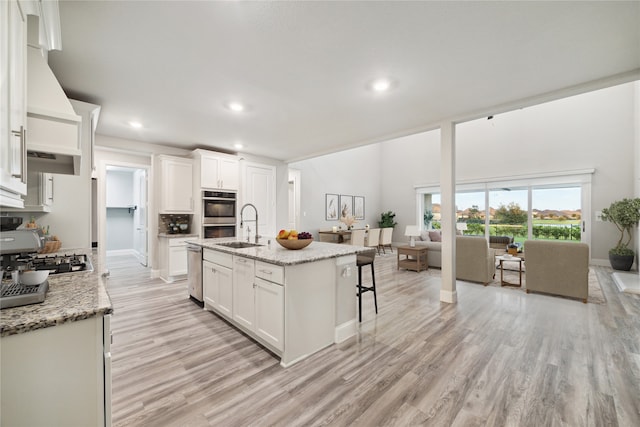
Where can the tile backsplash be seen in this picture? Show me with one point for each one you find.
(174, 224)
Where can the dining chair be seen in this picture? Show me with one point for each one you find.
(385, 239)
(373, 239)
(357, 237)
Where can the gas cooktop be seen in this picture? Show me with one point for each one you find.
(66, 263)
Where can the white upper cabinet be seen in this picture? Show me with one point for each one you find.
(13, 111)
(176, 189)
(217, 171)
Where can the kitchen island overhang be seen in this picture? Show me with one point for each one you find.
(300, 301)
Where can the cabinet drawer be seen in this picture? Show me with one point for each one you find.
(178, 241)
(270, 272)
(216, 257)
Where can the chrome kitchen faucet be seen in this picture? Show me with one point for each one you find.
(250, 220)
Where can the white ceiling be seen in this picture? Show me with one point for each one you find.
(303, 67)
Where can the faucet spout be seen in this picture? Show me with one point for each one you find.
(256, 220)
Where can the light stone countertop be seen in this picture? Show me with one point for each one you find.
(71, 297)
(176, 235)
(276, 254)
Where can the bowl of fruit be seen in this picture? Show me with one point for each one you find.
(293, 240)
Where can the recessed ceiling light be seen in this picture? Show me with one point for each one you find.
(135, 125)
(381, 85)
(235, 106)
(238, 146)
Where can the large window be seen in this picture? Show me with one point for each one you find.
(537, 209)
(557, 213)
(508, 213)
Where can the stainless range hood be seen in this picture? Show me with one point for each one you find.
(53, 127)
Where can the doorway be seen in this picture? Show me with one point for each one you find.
(125, 217)
(294, 199)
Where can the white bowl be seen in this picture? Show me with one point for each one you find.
(33, 277)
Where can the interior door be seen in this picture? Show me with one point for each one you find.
(140, 215)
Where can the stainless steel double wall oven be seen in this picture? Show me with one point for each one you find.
(219, 210)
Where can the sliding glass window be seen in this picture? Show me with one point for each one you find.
(508, 213)
(557, 213)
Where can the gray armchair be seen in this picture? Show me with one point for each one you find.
(558, 268)
(475, 261)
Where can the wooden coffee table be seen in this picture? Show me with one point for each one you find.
(502, 259)
(415, 258)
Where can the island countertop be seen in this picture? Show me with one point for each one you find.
(71, 297)
(276, 254)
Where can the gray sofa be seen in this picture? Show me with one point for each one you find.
(558, 268)
(434, 257)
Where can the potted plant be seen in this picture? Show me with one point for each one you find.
(624, 214)
(386, 220)
(428, 217)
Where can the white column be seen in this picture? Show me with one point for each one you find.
(448, 211)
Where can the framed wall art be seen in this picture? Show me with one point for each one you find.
(358, 207)
(331, 207)
(346, 206)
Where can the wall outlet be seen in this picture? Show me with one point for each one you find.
(599, 216)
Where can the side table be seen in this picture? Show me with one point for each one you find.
(504, 258)
(415, 258)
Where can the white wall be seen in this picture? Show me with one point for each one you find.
(355, 172)
(593, 130)
(637, 162)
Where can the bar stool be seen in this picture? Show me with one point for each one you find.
(361, 261)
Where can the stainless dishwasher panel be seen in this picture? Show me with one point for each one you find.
(194, 268)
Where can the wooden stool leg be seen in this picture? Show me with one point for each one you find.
(373, 279)
(360, 293)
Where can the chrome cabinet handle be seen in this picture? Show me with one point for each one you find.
(22, 133)
(266, 271)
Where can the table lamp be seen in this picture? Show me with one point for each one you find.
(462, 227)
(412, 231)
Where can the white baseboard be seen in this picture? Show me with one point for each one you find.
(345, 331)
(154, 274)
(600, 262)
(450, 297)
(121, 252)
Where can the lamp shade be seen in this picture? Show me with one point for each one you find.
(412, 231)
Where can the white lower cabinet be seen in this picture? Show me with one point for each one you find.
(269, 310)
(64, 375)
(173, 258)
(249, 293)
(243, 292)
(217, 283)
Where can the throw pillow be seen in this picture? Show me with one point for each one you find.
(424, 235)
(435, 236)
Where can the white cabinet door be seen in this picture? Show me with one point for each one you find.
(217, 284)
(225, 283)
(177, 260)
(228, 174)
(269, 317)
(13, 111)
(176, 194)
(219, 173)
(209, 172)
(210, 284)
(243, 292)
(47, 189)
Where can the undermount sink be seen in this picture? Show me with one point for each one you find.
(239, 245)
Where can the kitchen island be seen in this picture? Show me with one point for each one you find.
(294, 302)
(55, 356)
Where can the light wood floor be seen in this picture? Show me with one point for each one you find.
(497, 357)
